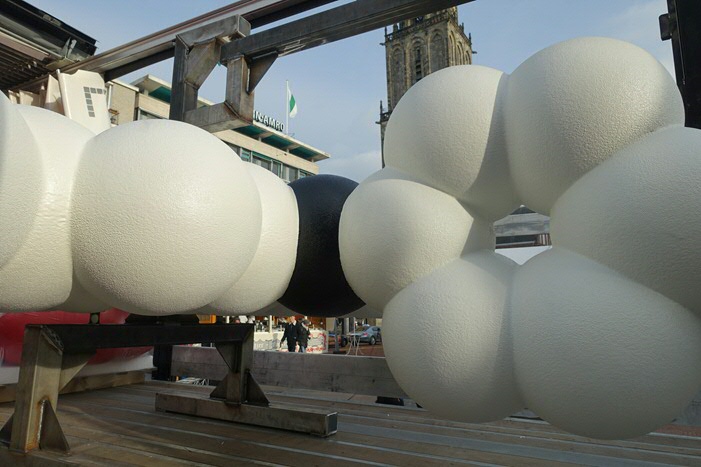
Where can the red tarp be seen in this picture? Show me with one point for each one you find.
(12, 333)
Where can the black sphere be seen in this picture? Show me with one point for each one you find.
(318, 286)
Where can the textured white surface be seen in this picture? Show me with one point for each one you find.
(39, 275)
(166, 217)
(393, 231)
(21, 179)
(598, 354)
(638, 213)
(608, 349)
(600, 335)
(269, 273)
(574, 104)
(449, 345)
(82, 301)
(464, 155)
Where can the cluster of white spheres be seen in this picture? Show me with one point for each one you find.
(601, 335)
(153, 217)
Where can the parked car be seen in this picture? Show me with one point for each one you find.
(366, 333)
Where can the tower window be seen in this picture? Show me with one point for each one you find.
(418, 68)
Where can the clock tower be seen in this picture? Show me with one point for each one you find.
(417, 47)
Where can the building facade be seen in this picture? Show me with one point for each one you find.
(416, 48)
(263, 143)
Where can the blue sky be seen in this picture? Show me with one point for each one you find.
(339, 86)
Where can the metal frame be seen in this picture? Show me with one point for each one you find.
(683, 26)
(160, 45)
(53, 354)
(249, 57)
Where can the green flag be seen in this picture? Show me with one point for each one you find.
(291, 103)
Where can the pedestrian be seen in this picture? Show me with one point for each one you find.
(303, 334)
(290, 334)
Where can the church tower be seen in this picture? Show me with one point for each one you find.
(415, 48)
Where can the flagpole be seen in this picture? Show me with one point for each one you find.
(287, 107)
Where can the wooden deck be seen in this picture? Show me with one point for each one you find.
(119, 427)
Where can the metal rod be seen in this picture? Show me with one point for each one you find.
(338, 23)
(159, 45)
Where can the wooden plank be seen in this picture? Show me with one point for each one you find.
(84, 383)
(510, 428)
(334, 373)
(240, 441)
(295, 450)
(35, 459)
(119, 426)
(183, 448)
(478, 429)
(389, 441)
(530, 433)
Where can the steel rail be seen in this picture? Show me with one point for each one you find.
(160, 45)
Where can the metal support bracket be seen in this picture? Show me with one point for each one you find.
(53, 354)
(197, 52)
(239, 398)
(44, 371)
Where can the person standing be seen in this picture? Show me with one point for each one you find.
(290, 334)
(303, 334)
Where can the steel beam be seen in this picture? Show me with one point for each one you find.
(339, 23)
(43, 373)
(196, 54)
(159, 46)
(683, 26)
(313, 421)
(53, 354)
(80, 338)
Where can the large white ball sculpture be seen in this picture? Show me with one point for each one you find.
(153, 217)
(601, 335)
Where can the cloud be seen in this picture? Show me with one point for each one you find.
(356, 167)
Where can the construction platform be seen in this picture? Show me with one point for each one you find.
(120, 426)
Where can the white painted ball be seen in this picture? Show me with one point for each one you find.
(448, 132)
(573, 105)
(394, 230)
(270, 271)
(166, 217)
(39, 275)
(447, 339)
(639, 213)
(597, 354)
(22, 179)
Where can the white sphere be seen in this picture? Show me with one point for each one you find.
(447, 340)
(573, 105)
(448, 131)
(82, 301)
(597, 354)
(166, 217)
(22, 179)
(394, 230)
(270, 271)
(39, 275)
(640, 214)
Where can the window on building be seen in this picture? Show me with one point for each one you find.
(143, 115)
(263, 162)
(284, 171)
(418, 68)
(289, 174)
(276, 167)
